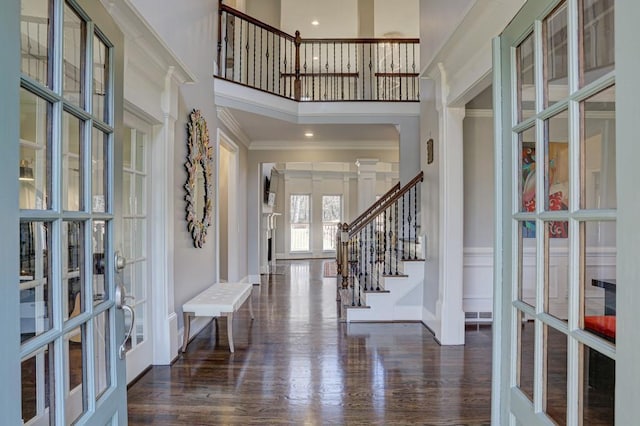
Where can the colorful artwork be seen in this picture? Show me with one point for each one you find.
(558, 187)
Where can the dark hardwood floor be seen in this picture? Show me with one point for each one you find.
(296, 364)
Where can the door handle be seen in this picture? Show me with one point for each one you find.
(123, 349)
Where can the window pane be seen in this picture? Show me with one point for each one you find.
(526, 79)
(37, 387)
(527, 140)
(99, 178)
(527, 261)
(331, 208)
(557, 269)
(299, 237)
(35, 152)
(100, 79)
(72, 160)
(34, 40)
(598, 41)
(140, 195)
(557, 162)
(556, 56)
(101, 350)
(73, 276)
(74, 342)
(140, 152)
(100, 290)
(598, 388)
(329, 233)
(299, 209)
(598, 242)
(128, 206)
(73, 65)
(526, 346)
(556, 380)
(35, 289)
(598, 138)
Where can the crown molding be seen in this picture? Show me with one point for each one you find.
(324, 145)
(233, 125)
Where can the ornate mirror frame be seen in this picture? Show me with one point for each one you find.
(199, 158)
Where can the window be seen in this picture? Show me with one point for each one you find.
(331, 216)
(299, 218)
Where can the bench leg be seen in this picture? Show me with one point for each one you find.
(230, 330)
(251, 304)
(186, 316)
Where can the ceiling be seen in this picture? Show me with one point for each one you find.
(260, 128)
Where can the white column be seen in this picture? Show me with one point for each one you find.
(366, 182)
(451, 199)
(165, 329)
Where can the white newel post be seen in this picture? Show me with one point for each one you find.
(449, 306)
(366, 182)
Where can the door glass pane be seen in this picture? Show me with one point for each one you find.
(100, 79)
(34, 40)
(526, 79)
(557, 269)
(72, 151)
(526, 346)
(598, 388)
(75, 358)
(74, 61)
(126, 147)
(139, 329)
(556, 56)
(37, 387)
(140, 280)
(127, 196)
(140, 152)
(99, 178)
(527, 140)
(101, 350)
(527, 264)
(557, 162)
(556, 380)
(598, 177)
(100, 290)
(598, 242)
(73, 278)
(35, 289)
(598, 48)
(140, 195)
(35, 153)
(139, 236)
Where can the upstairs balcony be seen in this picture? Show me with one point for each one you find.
(254, 54)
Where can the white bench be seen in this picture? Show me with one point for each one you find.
(218, 300)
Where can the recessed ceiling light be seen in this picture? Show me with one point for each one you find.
(315, 23)
(308, 134)
(315, 58)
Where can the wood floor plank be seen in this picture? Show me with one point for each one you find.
(296, 364)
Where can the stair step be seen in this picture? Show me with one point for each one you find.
(395, 276)
(376, 291)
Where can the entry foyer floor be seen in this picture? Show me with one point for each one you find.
(296, 364)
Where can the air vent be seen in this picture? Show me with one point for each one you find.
(478, 316)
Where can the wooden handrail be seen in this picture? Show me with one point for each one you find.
(373, 206)
(380, 207)
(254, 21)
(361, 40)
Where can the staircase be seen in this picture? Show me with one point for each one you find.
(380, 260)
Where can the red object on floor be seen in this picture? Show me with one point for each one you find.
(604, 325)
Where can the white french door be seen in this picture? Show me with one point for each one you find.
(555, 83)
(136, 199)
(70, 108)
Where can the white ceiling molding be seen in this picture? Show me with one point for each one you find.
(304, 145)
(137, 30)
(479, 113)
(225, 116)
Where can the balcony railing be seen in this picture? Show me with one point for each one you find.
(260, 56)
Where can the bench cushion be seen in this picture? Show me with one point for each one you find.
(604, 325)
(218, 299)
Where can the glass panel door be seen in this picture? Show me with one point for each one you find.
(558, 149)
(68, 220)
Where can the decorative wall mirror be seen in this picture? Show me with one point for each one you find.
(199, 185)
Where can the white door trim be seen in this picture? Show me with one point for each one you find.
(224, 140)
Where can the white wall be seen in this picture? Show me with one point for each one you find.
(337, 18)
(397, 18)
(189, 29)
(267, 11)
